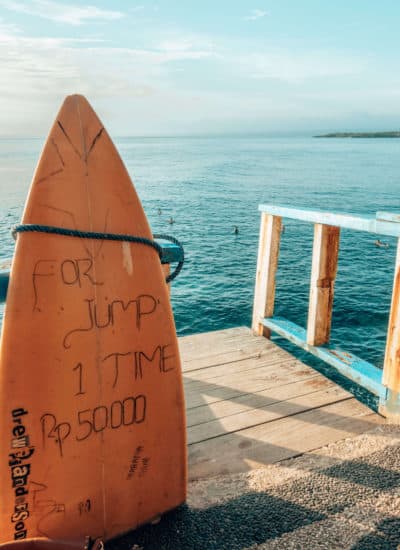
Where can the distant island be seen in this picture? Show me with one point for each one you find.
(361, 135)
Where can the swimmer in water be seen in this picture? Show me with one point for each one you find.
(159, 212)
(381, 244)
(236, 230)
(171, 220)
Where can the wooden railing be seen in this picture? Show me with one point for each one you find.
(385, 384)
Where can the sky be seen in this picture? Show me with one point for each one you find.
(190, 67)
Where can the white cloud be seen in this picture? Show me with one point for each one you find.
(177, 80)
(36, 73)
(255, 14)
(61, 13)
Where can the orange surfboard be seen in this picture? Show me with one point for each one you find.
(92, 432)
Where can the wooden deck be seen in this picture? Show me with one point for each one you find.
(250, 403)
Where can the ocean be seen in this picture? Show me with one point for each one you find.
(208, 185)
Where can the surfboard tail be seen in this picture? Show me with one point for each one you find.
(39, 543)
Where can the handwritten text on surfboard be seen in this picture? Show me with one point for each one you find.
(116, 367)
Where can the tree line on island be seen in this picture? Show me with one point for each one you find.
(394, 134)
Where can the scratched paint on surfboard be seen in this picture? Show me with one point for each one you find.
(92, 438)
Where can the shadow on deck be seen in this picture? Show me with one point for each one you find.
(250, 403)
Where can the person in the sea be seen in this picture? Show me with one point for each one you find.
(171, 220)
(159, 212)
(381, 244)
(236, 230)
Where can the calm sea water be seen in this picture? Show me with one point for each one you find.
(208, 185)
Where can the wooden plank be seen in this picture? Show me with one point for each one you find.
(267, 263)
(239, 381)
(217, 341)
(267, 413)
(244, 372)
(206, 341)
(339, 219)
(391, 367)
(218, 355)
(323, 274)
(268, 377)
(363, 373)
(275, 441)
(210, 344)
(258, 399)
(215, 372)
(223, 334)
(227, 357)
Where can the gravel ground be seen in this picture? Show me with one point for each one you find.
(343, 496)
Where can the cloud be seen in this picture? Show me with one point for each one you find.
(255, 14)
(37, 73)
(52, 67)
(61, 13)
(172, 80)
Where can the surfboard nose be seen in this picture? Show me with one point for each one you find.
(80, 124)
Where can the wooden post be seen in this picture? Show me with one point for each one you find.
(323, 273)
(391, 367)
(267, 263)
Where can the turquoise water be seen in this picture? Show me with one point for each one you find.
(208, 185)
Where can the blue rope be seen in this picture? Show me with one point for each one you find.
(24, 228)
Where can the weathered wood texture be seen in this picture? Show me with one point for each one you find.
(267, 263)
(323, 274)
(250, 403)
(391, 369)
